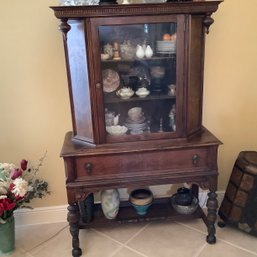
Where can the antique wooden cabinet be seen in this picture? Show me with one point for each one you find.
(135, 75)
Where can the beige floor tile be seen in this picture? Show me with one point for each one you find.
(121, 233)
(16, 253)
(124, 252)
(168, 239)
(237, 237)
(223, 249)
(228, 233)
(196, 224)
(28, 237)
(91, 243)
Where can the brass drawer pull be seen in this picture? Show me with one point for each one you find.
(89, 168)
(195, 159)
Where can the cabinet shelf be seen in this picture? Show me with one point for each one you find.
(160, 210)
(115, 99)
(154, 58)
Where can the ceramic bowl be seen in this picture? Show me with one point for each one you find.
(116, 130)
(105, 57)
(187, 210)
(125, 93)
(135, 113)
(141, 197)
(142, 92)
(141, 209)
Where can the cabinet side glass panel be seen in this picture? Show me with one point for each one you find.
(138, 65)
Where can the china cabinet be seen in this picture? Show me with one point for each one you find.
(135, 76)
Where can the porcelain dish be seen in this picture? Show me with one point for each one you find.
(142, 92)
(116, 130)
(125, 93)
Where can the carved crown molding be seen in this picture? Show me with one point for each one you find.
(76, 12)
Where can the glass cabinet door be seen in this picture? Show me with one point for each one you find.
(139, 80)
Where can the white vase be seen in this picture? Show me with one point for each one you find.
(110, 202)
(140, 53)
(148, 52)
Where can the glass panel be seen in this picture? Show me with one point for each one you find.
(138, 65)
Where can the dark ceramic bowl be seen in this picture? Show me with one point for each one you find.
(189, 209)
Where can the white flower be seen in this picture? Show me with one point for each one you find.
(7, 167)
(21, 187)
(3, 196)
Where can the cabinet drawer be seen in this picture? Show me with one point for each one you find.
(155, 162)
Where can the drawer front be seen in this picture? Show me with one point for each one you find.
(155, 162)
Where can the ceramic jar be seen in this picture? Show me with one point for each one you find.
(148, 52)
(140, 53)
(110, 202)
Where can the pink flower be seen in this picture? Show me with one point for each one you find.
(16, 173)
(24, 164)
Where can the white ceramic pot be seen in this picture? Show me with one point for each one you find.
(140, 53)
(148, 52)
(110, 202)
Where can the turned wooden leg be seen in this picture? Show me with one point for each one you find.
(212, 205)
(73, 219)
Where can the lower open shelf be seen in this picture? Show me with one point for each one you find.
(161, 209)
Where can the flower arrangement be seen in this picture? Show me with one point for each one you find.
(18, 186)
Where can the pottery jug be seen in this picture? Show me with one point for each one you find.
(110, 202)
(148, 52)
(140, 53)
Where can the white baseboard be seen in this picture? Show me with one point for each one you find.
(55, 214)
(43, 215)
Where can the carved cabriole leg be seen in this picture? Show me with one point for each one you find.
(212, 205)
(73, 219)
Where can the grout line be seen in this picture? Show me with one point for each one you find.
(48, 239)
(195, 229)
(135, 251)
(106, 236)
(116, 251)
(137, 233)
(237, 246)
(220, 239)
(197, 254)
(124, 245)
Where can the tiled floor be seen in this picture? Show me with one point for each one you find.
(165, 239)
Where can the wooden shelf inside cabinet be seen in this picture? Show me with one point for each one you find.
(160, 210)
(115, 99)
(154, 58)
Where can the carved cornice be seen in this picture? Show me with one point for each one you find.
(78, 12)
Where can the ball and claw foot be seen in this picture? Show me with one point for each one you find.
(76, 252)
